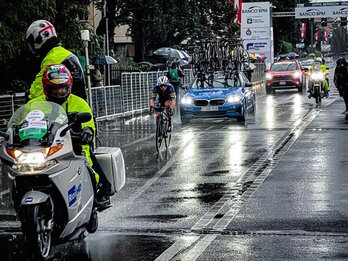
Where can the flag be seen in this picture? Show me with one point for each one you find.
(303, 30)
(326, 39)
(239, 17)
(235, 4)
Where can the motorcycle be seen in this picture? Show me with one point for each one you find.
(52, 187)
(318, 79)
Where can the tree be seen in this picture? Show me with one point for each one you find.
(157, 23)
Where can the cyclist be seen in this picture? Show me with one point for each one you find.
(324, 70)
(166, 98)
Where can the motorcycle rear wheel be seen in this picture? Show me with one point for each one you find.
(38, 237)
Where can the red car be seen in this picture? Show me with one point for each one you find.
(286, 74)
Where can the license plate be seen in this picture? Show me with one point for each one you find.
(210, 108)
(282, 83)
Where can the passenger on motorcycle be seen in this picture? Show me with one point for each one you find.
(166, 97)
(43, 42)
(319, 65)
(57, 83)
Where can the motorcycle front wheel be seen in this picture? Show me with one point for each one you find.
(37, 231)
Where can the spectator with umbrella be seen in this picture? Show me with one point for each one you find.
(174, 74)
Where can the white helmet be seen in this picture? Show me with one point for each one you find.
(38, 33)
(319, 60)
(162, 80)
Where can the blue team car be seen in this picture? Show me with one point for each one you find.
(218, 97)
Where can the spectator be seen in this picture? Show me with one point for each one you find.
(96, 77)
(174, 74)
(341, 80)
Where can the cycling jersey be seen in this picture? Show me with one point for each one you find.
(163, 96)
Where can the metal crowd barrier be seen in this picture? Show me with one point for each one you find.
(8, 105)
(130, 97)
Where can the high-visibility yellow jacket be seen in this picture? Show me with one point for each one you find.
(60, 55)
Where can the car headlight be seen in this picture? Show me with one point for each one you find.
(234, 98)
(317, 76)
(269, 76)
(297, 74)
(186, 100)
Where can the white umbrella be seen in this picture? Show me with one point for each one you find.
(169, 52)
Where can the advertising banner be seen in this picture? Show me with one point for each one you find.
(322, 10)
(255, 32)
(256, 14)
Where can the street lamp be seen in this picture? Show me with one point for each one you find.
(85, 39)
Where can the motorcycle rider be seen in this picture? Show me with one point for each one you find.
(341, 80)
(166, 94)
(57, 84)
(44, 44)
(323, 69)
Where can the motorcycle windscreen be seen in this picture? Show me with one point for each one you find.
(34, 120)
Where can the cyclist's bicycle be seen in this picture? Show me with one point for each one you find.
(162, 125)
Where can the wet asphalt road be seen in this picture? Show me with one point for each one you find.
(273, 188)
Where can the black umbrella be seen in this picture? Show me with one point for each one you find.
(105, 59)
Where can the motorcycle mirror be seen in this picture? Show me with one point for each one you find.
(5, 135)
(83, 117)
(80, 118)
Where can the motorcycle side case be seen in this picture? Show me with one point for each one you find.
(112, 163)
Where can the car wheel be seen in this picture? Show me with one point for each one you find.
(268, 91)
(254, 104)
(183, 120)
(242, 118)
(300, 88)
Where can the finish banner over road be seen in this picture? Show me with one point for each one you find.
(321, 10)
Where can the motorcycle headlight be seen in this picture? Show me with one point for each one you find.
(269, 76)
(234, 98)
(317, 76)
(186, 100)
(33, 162)
(33, 168)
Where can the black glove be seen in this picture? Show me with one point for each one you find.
(170, 112)
(86, 136)
(151, 110)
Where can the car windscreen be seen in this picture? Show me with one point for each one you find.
(216, 83)
(307, 63)
(284, 66)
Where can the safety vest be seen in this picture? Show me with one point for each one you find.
(55, 56)
(174, 76)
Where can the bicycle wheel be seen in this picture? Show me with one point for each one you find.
(168, 135)
(158, 134)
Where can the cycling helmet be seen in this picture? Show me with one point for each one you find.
(162, 80)
(318, 59)
(38, 33)
(57, 82)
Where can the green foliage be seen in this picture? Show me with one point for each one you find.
(285, 47)
(157, 23)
